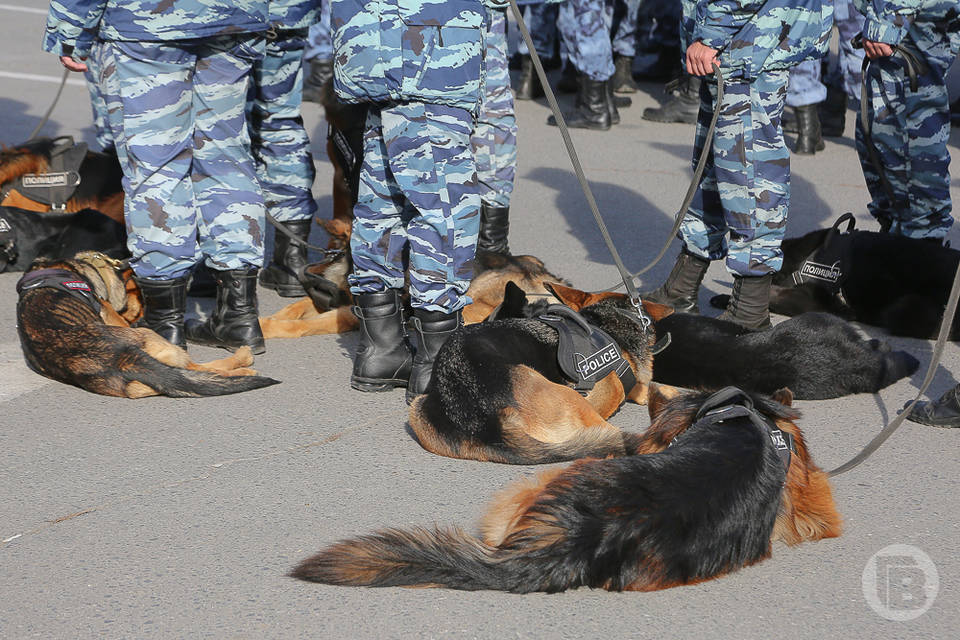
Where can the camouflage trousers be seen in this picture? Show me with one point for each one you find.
(910, 131)
(494, 137)
(625, 23)
(806, 87)
(279, 142)
(418, 196)
(320, 39)
(585, 30)
(745, 190)
(176, 112)
(101, 126)
(541, 20)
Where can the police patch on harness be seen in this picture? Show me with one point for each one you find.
(827, 272)
(60, 179)
(602, 361)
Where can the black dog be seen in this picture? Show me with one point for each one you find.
(900, 284)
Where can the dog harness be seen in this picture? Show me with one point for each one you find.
(55, 187)
(731, 403)
(586, 353)
(69, 281)
(828, 266)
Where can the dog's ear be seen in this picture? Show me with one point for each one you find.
(514, 300)
(784, 396)
(656, 311)
(576, 299)
(658, 396)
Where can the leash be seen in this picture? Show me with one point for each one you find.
(56, 98)
(329, 255)
(945, 325)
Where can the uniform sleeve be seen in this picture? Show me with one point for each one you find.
(888, 20)
(717, 21)
(72, 26)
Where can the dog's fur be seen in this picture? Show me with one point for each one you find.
(816, 355)
(63, 339)
(900, 284)
(100, 185)
(498, 394)
(698, 510)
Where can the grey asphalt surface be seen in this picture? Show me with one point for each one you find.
(179, 518)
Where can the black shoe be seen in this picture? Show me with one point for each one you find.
(684, 106)
(164, 302)
(289, 259)
(955, 110)
(529, 87)
(833, 113)
(593, 110)
(809, 135)
(623, 76)
(613, 104)
(682, 285)
(383, 358)
(494, 228)
(942, 412)
(200, 283)
(321, 72)
(432, 328)
(569, 80)
(235, 321)
(749, 304)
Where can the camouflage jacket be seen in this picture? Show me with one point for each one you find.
(889, 20)
(294, 14)
(755, 36)
(410, 50)
(72, 25)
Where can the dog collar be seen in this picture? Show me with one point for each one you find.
(731, 403)
(64, 280)
(586, 353)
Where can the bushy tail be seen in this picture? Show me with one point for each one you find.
(595, 442)
(419, 557)
(185, 383)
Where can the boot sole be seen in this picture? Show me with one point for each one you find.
(375, 385)
(285, 290)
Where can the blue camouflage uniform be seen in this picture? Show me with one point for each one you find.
(420, 65)
(745, 187)
(909, 128)
(174, 75)
(98, 104)
(280, 144)
(584, 27)
(320, 40)
(541, 21)
(625, 21)
(494, 137)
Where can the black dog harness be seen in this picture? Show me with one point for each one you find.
(586, 353)
(731, 403)
(69, 281)
(829, 265)
(55, 187)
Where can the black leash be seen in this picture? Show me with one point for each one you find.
(329, 255)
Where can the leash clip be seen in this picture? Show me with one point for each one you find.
(641, 314)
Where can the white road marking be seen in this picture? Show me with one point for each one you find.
(13, 7)
(79, 82)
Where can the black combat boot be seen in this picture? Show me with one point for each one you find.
(529, 87)
(289, 259)
(682, 107)
(383, 358)
(494, 228)
(235, 321)
(569, 79)
(164, 302)
(593, 110)
(321, 71)
(809, 135)
(623, 76)
(682, 285)
(942, 412)
(833, 113)
(749, 304)
(432, 329)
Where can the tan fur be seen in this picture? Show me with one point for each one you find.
(508, 506)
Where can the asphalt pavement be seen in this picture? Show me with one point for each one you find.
(180, 518)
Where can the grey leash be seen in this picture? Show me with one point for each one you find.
(329, 255)
(56, 98)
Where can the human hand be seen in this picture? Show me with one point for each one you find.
(701, 59)
(71, 64)
(876, 50)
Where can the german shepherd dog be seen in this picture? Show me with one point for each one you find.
(498, 393)
(64, 338)
(900, 284)
(676, 515)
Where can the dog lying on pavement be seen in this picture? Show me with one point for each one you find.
(703, 493)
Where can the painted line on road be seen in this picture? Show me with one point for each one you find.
(39, 78)
(13, 7)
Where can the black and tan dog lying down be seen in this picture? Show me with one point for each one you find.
(702, 493)
(900, 284)
(74, 320)
(499, 394)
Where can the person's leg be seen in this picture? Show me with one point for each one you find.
(318, 56)
(281, 149)
(624, 44)
(101, 124)
(494, 141)
(805, 92)
(585, 27)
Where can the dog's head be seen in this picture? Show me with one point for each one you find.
(111, 279)
(807, 510)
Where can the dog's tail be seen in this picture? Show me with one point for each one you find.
(186, 383)
(896, 365)
(428, 558)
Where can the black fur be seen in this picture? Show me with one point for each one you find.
(816, 355)
(898, 283)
